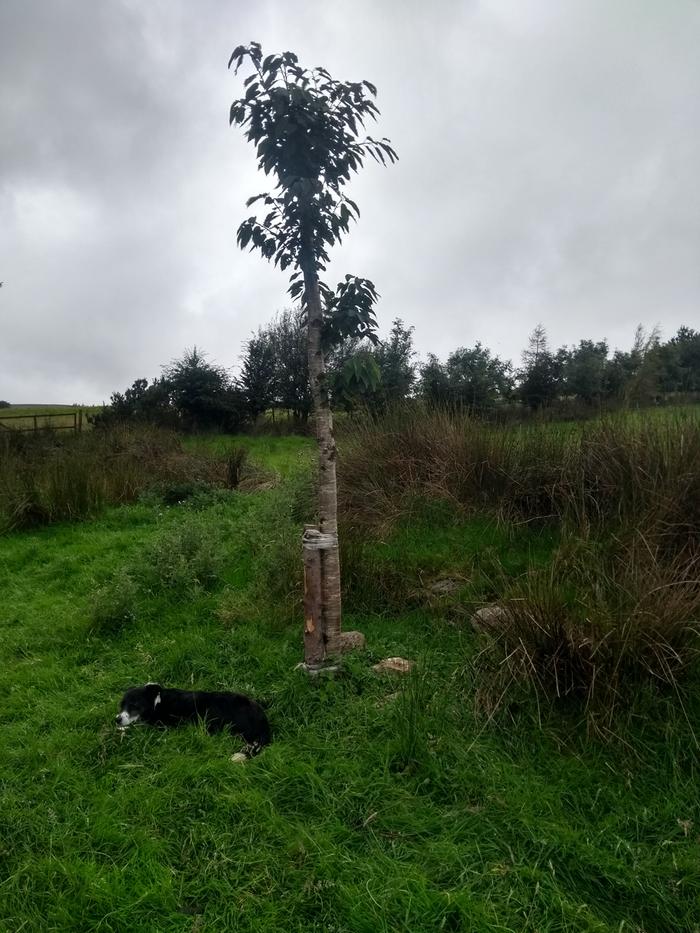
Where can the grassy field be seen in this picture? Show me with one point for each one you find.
(22, 417)
(382, 805)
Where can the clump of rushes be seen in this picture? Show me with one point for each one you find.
(592, 629)
(627, 472)
(46, 478)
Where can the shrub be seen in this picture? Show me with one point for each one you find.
(177, 492)
(141, 403)
(114, 604)
(182, 560)
(204, 395)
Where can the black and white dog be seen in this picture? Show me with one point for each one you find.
(160, 706)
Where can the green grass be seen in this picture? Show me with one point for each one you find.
(284, 455)
(432, 556)
(45, 409)
(21, 417)
(382, 805)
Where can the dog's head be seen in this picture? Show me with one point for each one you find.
(138, 703)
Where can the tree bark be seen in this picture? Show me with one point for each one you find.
(327, 485)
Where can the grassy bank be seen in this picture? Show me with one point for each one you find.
(381, 805)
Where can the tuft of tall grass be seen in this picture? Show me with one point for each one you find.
(409, 749)
(592, 629)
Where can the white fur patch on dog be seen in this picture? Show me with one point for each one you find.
(239, 757)
(125, 719)
(156, 701)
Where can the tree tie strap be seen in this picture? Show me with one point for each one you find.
(318, 541)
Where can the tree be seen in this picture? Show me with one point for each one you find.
(141, 402)
(616, 375)
(397, 370)
(203, 393)
(476, 379)
(539, 377)
(679, 362)
(374, 376)
(353, 374)
(584, 371)
(642, 364)
(257, 378)
(288, 340)
(275, 368)
(686, 343)
(306, 127)
(434, 384)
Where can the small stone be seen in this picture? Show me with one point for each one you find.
(395, 665)
(488, 618)
(447, 587)
(389, 698)
(352, 641)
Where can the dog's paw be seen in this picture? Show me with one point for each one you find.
(239, 757)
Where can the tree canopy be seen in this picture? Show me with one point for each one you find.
(306, 126)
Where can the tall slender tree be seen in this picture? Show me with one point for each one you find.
(539, 377)
(257, 377)
(308, 129)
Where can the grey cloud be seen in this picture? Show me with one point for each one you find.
(548, 173)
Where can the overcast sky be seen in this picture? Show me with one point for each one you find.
(550, 172)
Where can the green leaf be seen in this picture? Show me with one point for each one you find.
(238, 53)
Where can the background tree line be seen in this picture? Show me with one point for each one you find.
(196, 394)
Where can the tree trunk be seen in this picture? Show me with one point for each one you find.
(327, 487)
(314, 644)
